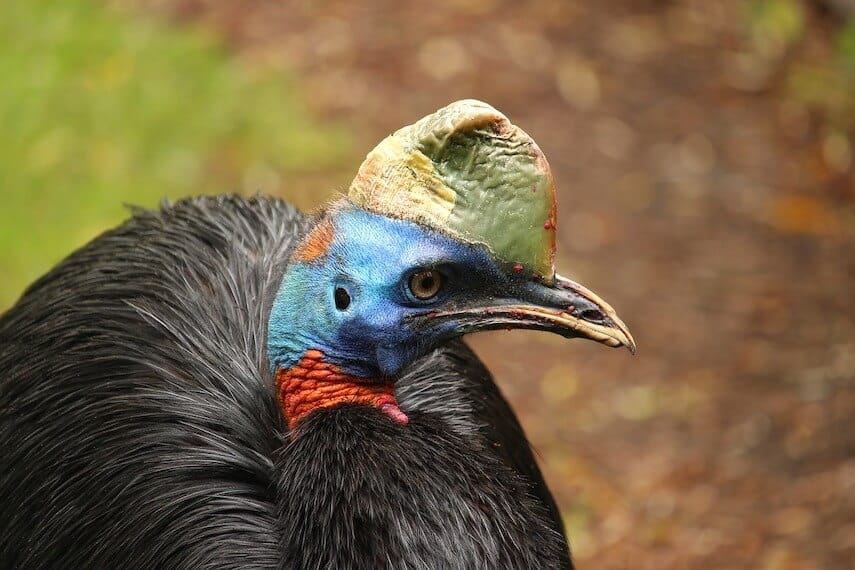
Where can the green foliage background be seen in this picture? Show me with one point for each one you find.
(100, 109)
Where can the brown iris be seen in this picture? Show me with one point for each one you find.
(425, 284)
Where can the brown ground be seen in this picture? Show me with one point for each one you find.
(695, 198)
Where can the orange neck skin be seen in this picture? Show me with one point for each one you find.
(312, 384)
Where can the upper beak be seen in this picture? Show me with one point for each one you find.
(563, 307)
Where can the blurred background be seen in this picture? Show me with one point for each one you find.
(703, 153)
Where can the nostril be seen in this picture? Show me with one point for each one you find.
(592, 315)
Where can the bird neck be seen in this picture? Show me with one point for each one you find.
(313, 384)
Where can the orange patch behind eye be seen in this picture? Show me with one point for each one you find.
(316, 244)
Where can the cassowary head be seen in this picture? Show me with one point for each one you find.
(448, 228)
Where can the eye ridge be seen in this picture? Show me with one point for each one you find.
(425, 284)
(342, 298)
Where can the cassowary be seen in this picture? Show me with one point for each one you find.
(227, 383)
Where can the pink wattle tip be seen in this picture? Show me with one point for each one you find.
(389, 406)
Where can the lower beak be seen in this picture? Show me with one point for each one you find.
(563, 307)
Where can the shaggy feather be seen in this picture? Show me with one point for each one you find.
(139, 426)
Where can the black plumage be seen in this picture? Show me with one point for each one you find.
(139, 426)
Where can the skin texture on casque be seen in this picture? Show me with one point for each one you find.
(466, 170)
(139, 426)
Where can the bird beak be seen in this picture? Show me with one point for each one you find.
(563, 307)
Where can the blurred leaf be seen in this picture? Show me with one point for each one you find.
(801, 214)
(776, 20)
(100, 109)
(846, 44)
(827, 88)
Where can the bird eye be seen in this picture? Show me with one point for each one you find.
(425, 284)
(342, 298)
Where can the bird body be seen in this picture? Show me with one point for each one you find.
(227, 383)
(140, 427)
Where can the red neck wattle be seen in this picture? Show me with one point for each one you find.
(312, 384)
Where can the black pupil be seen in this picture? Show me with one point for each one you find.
(342, 299)
(427, 283)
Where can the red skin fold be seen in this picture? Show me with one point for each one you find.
(313, 384)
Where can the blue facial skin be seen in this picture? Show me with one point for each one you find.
(373, 257)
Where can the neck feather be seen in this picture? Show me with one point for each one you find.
(314, 384)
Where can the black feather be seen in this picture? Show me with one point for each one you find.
(139, 426)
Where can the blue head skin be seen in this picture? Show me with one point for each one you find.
(386, 291)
